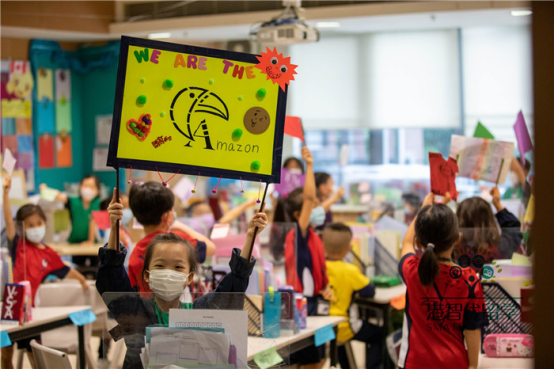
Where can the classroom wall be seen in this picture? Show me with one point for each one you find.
(93, 75)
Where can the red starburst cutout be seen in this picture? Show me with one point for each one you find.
(276, 67)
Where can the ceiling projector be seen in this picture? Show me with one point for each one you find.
(287, 28)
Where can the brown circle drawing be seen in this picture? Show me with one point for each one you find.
(256, 120)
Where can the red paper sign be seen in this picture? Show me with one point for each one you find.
(293, 127)
(46, 151)
(13, 304)
(443, 174)
(102, 219)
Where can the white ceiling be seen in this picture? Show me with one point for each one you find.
(351, 25)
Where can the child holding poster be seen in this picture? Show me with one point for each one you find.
(152, 206)
(169, 266)
(305, 256)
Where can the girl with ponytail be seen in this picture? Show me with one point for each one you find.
(444, 302)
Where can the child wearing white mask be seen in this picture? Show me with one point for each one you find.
(33, 260)
(305, 257)
(169, 266)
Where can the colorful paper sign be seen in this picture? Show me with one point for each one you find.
(324, 335)
(63, 85)
(289, 181)
(5, 339)
(14, 302)
(45, 85)
(63, 117)
(102, 219)
(482, 132)
(481, 158)
(82, 317)
(221, 116)
(46, 151)
(293, 127)
(268, 358)
(64, 157)
(443, 175)
(524, 143)
(9, 161)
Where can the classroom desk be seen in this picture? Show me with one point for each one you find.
(76, 249)
(298, 341)
(505, 363)
(381, 303)
(45, 319)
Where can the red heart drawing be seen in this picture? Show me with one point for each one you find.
(140, 129)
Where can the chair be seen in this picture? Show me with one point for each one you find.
(349, 354)
(47, 358)
(71, 294)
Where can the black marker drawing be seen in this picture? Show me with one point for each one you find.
(188, 105)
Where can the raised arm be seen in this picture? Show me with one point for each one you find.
(333, 199)
(408, 242)
(115, 209)
(234, 213)
(259, 220)
(515, 166)
(309, 193)
(10, 225)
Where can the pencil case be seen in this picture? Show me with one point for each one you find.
(508, 345)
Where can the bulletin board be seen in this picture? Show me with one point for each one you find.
(197, 111)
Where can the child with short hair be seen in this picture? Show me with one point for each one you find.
(305, 256)
(346, 280)
(169, 266)
(33, 260)
(444, 302)
(152, 206)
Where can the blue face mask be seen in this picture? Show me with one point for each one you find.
(127, 216)
(318, 216)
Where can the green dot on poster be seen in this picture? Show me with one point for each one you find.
(162, 114)
(141, 100)
(255, 165)
(237, 134)
(261, 93)
(142, 80)
(240, 97)
(211, 81)
(168, 83)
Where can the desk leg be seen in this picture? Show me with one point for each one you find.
(385, 356)
(81, 332)
(334, 350)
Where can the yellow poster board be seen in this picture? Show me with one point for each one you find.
(196, 111)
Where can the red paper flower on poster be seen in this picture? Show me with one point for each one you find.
(276, 67)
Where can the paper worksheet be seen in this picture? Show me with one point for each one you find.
(188, 347)
(235, 323)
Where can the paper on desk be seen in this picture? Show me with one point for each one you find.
(518, 259)
(323, 335)
(82, 317)
(267, 358)
(188, 347)
(9, 161)
(234, 322)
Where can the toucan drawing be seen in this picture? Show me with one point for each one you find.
(189, 109)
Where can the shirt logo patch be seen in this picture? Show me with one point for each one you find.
(44, 263)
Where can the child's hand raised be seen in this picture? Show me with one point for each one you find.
(115, 210)
(327, 293)
(307, 156)
(7, 184)
(260, 221)
(495, 193)
(429, 200)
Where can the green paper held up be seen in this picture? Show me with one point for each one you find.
(482, 132)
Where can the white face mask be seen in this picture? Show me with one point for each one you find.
(167, 284)
(88, 193)
(35, 235)
(514, 179)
